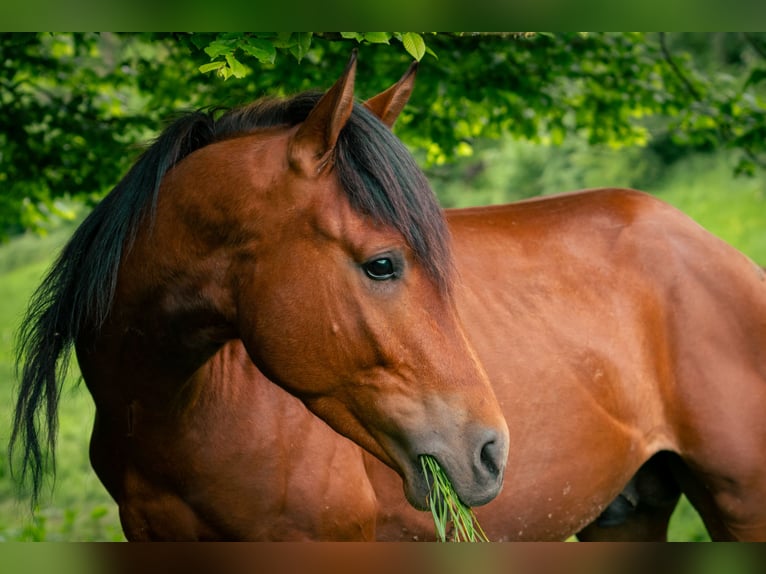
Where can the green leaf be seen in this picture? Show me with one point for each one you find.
(377, 37)
(414, 45)
(302, 45)
(263, 50)
(358, 36)
(283, 40)
(221, 47)
(205, 68)
(238, 69)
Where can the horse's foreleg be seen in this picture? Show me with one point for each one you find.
(642, 511)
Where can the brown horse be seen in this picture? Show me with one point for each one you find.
(626, 346)
(303, 229)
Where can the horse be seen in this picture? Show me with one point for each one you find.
(302, 229)
(625, 347)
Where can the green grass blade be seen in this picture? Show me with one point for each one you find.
(446, 507)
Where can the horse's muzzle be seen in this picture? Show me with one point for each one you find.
(477, 479)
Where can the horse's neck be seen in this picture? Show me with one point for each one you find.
(160, 331)
(173, 307)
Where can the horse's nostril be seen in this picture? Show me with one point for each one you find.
(490, 457)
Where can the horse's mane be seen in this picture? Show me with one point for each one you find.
(375, 169)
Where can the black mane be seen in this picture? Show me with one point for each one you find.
(75, 298)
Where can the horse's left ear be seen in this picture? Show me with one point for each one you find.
(389, 104)
(310, 149)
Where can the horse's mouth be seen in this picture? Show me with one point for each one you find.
(418, 484)
(420, 479)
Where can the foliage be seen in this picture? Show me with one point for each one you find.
(72, 105)
(76, 106)
(227, 50)
(722, 106)
(546, 86)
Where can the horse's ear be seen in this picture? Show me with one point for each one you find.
(310, 149)
(389, 104)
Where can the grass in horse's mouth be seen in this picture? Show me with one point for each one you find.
(446, 507)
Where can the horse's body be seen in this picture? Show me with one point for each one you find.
(625, 345)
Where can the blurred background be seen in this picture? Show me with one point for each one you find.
(494, 118)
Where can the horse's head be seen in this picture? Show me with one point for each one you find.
(341, 270)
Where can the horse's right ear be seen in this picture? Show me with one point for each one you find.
(389, 104)
(311, 148)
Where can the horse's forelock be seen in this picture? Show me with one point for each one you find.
(384, 182)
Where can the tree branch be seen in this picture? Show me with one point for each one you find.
(724, 129)
(676, 70)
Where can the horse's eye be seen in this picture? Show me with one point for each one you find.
(380, 269)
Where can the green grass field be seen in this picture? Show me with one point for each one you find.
(78, 508)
